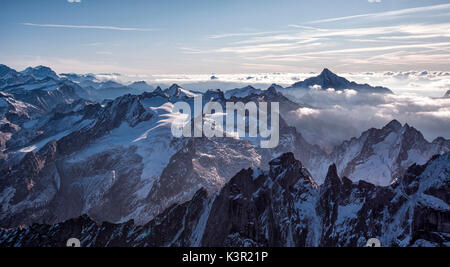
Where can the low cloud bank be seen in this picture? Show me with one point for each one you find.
(341, 115)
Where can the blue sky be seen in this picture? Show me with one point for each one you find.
(225, 36)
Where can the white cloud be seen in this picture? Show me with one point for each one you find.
(242, 34)
(403, 31)
(399, 46)
(294, 57)
(374, 1)
(349, 113)
(74, 1)
(387, 14)
(90, 27)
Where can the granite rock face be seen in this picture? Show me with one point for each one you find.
(281, 207)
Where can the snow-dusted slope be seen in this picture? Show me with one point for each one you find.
(129, 145)
(242, 92)
(282, 207)
(100, 89)
(10, 76)
(45, 79)
(95, 151)
(381, 155)
(40, 73)
(141, 86)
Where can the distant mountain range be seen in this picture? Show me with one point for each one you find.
(328, 79)
(86, 86)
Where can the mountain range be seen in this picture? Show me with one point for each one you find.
(44, 79)
(281, 207)
(65, 154)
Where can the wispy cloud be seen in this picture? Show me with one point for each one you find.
(386, 14)
(188, 50)
(242, 34)
(257, 48)
(88, 27)
(290, 57)
(74, 1)
(404, 36)
(106, 53)
(311, 34)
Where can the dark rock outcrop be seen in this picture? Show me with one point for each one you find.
(281, 207)
(328, 79)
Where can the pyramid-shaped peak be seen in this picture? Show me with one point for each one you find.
(174, 90)
(284, 159)
(40, 72)
(327, 73)
(177, 91)
(395, 125)
(158, 90)
(248, 87)
(272, 90)
(4, 67)
(174, 87)
(332, 178)
(5, 70)
(327, 79)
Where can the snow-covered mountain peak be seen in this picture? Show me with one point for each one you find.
(288, 171)
(141, 86)
(175, 87)
(248, 87)
(326, 80)
(214, 95)
(382, 155)
(328, 75)
(79, 77)
(110, 85)
(158, 90)
(242, 92)
(394, 125)
(5, 70)
(176, 91)
(275, 86)
(40, 73)
(272, 90)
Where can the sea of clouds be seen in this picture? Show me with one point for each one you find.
(334, 116)
(330, 116)
(429, 83)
